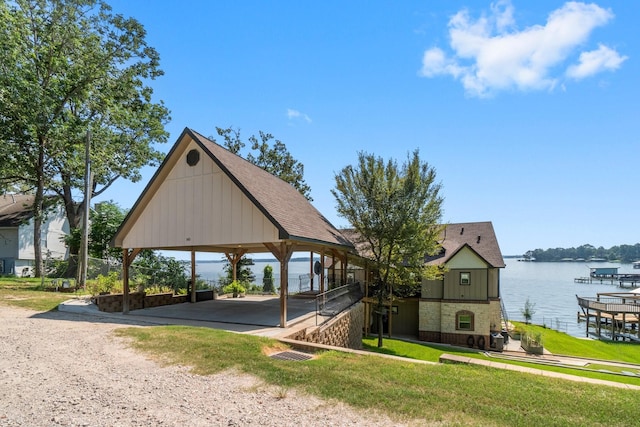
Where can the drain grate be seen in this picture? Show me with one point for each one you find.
(295, 356)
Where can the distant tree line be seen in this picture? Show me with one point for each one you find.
(622, 253)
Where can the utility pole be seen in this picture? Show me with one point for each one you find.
(84, 250)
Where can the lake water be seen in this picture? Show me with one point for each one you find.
(551, 287)
(548, 285)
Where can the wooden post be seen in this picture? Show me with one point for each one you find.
(311, 274)
(193, 276)
(283, 255)
(125, 281)
(587, 328)
(344, 268)
(322, 289)
(286, 252)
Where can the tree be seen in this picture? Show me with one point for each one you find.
(528, 311)
(105, 221)
(244, 274)
(68, 68)
(276, 160)
(395, 211)
(267, 280)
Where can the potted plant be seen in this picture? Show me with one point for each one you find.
(532, 343)
(236, 288)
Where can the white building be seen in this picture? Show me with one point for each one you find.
(17, 254)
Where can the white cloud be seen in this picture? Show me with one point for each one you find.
(490, 53)
(590, 63)
(297, 115)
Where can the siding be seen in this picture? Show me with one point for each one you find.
(199, 206)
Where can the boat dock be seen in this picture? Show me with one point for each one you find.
(610, 274)
(613, 314)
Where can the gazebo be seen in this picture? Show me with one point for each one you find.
(203, 198)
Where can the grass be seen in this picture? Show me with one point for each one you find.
(432, 394)
(28, 293)
(553, 340)
(561, 343)
(446, 394)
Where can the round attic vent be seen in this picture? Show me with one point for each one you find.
(193, 157)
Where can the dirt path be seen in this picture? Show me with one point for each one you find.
(68, 369)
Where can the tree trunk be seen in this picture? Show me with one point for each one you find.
(38, 208)
(380, 327)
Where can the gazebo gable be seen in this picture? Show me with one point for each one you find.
(194, 203)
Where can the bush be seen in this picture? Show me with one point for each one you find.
(234, 287)
(110, 283)
(158, 290)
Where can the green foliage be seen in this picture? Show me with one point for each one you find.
(395, 212)
(531, 339)
(234, 287)
(274, 159)
(110, 284)
(267, 279)
(528, 311)
(243, 271)
(158, 290)
(106, 217)
(68, 68)
(153, 269)
(622, 253)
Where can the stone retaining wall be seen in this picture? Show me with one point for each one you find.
(112, 303)
(344, 330)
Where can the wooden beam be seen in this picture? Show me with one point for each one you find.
(233, 258)
(125, 281)
(127, 259)
(274, 250)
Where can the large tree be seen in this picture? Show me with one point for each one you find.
(67, 68)
(276, 159)
(395, 212)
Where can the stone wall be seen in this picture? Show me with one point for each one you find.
(438, 322)
(112, 303)
(344, 330)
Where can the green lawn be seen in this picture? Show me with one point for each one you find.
(446, 394)
(434, 394)
(29, 293)
(554, 341)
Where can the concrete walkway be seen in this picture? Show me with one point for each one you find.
(453, 358)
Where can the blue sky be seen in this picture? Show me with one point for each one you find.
(528, 111)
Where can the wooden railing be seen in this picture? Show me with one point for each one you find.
(611, 305)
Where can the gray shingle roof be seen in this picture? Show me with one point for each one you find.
(15, 209)
(479, 236)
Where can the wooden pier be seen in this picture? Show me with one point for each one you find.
(616, 313)
(610, 274)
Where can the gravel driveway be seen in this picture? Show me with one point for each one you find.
(60, 368)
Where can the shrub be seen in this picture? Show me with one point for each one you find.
(234, 287)
(110, 283)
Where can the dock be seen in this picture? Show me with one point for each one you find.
(614, 314)
(610, 274)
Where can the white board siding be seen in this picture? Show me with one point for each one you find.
(466, 259)
(218, 213)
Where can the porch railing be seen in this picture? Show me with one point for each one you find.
(334, 301)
